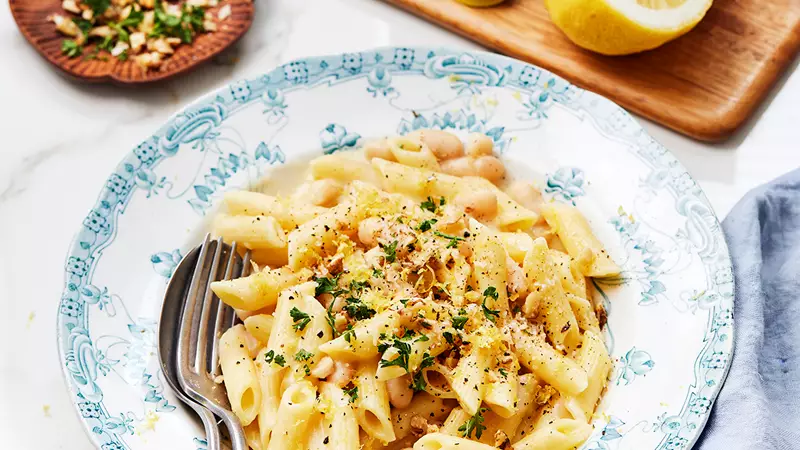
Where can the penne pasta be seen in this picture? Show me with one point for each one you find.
(336, 428)
(468, 380)
(288, 215)
(362, 343)
(259, 326)
(441, 441)
(412, 153)
(257, 291)
(432, 409)
(259, 232)
(490, 270)
(563, 434)
(417, 309)
(593, 358)
(421, 183)
(501, 394)
(548, 364)
(270, 377)
(584, 313)
(293, 418)
(372, 405)
(547, 294)
(241, 383)
(341, 167)
(574, 232)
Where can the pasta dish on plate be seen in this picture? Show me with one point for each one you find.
(407, 295)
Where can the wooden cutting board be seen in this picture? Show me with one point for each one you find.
(704, 84)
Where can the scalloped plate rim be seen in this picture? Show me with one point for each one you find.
(210, 95)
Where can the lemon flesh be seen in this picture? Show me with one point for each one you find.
(621, 27)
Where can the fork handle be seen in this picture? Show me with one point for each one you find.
(213, 437)
(238, 441)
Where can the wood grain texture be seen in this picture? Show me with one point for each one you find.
(704, 84)
(31, 17)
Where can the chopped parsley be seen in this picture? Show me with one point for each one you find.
(106, 45)
(473, 424)
(357, 309)
(503, 372)
(326, 285)
(403, 352)
(357, 287)
(271, 357)
(428, 205)
(83, 24)
(183, 26)
(418, 383)
(448, 336)
(71, 48)
(390, 251)
(377, 273)
(98, 6)
(427, 361)
(303, 355)
(349, 333)
(453, 239)
(426, 225)
(491, 314)
(352, 393)
(299, 318)
(330, 319)
(133, 20)
(460, 320)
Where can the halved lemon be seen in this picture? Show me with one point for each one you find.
(621, 27)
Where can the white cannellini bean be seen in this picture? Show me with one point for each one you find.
(324, 368)
(378, 149)
(459, 167)
(526, 195)
(479, 204)
(342, 374)
(444, 145)
(478, 144)
(400, 392)
(490, 167)
(325, 192)
(368, 231)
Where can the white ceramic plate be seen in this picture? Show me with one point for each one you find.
(670, 316)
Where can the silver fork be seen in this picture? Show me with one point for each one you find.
(197, 350)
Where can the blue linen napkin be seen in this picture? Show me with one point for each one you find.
(759, 404)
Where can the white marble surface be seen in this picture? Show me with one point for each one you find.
(61, 140)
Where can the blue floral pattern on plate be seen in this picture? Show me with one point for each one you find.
(649, 212)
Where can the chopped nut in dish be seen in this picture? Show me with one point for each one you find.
(146, 30)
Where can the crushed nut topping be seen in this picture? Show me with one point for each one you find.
(146, 30)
